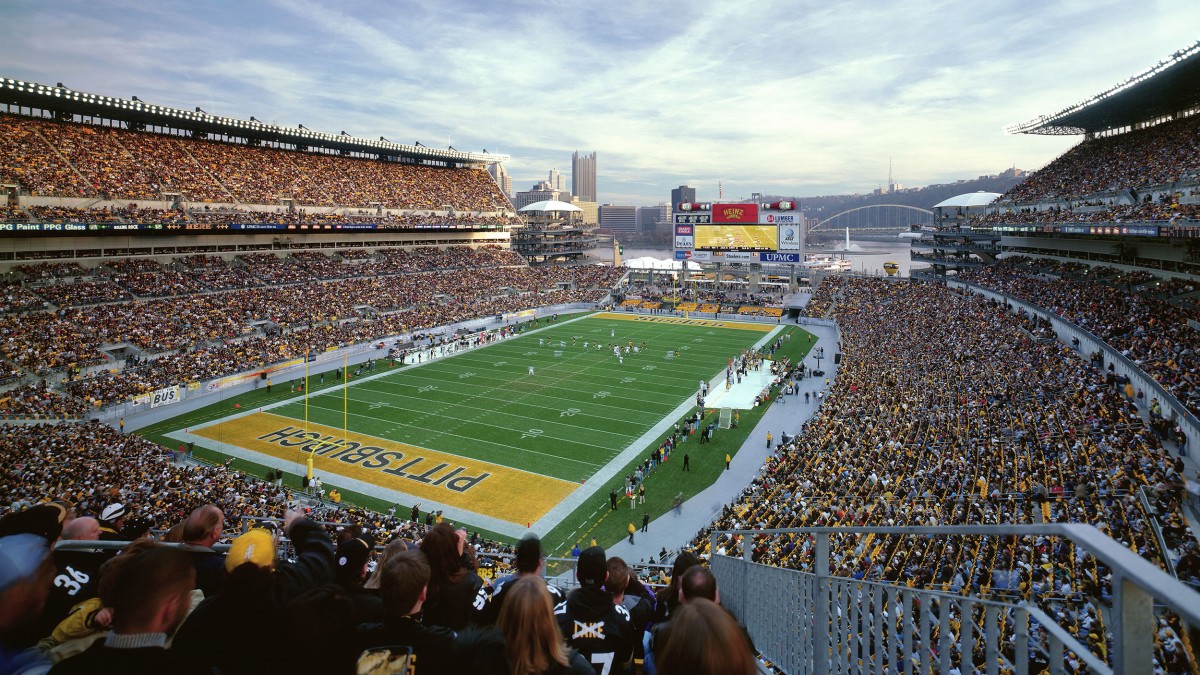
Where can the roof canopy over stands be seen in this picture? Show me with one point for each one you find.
(137, 113)
(1168, 88)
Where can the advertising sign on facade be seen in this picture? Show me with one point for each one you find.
(735, 213)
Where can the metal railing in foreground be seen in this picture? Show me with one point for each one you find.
(815, 622)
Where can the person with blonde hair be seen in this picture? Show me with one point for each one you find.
(532, 641)
(394, 546)
(703, 639)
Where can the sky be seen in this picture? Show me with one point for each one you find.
(797, 98)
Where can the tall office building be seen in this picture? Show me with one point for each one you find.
(500, 175)
(681, 194)
(583, 176)
(556, 180)
(540, 192)
(650, 216)
(620, 220)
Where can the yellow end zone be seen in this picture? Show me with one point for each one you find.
(481, 487)
(679, 320)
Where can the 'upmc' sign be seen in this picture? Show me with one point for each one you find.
(779, 257)
(735, 213)
(780, 218)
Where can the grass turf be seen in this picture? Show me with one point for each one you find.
(578, 411)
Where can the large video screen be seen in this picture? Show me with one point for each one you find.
(757, 238)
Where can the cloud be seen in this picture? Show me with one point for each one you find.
(792, 97)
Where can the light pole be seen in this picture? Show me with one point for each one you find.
(819, 354)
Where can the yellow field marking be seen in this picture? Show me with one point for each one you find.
(679, 320)
(481, 487)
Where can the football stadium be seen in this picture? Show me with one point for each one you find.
(261, 381)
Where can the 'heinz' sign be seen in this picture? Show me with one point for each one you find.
(735, 213)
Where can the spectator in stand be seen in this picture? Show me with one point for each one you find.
(353, 554)
(602, 631)
(533, 643)
(150, 599)
(702, 638)
(668, 598)
(201, 530)
(403, 586)
(251, 604)
(453, 584)
(529, 562)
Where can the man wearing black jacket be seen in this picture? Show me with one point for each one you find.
(403, 585)
(529, 562)
(248, 610)
(630, 593)
(591, 623)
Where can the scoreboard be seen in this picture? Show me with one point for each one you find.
(739, 231)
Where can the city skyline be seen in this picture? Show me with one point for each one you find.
(791, 98)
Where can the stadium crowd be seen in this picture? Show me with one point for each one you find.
(1148, 329)
(974, 416)
(455, 601)
(50, 158)
(196, 337)
(1156, 155)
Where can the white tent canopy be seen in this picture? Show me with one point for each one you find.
(550, 205)
(649, 263)
(969, 199)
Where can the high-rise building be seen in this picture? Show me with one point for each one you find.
(649, 217)
(500, 175)
(540, 192)
(555, 180)
(583, 176)
(681, 194)
(619, 220)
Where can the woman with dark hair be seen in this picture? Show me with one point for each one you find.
(533, 644)
(703, 639)
(668, 598)
(453, 583)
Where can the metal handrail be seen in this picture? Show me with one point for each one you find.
(1138, 585)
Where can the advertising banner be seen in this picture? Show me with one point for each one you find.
(780, 257)
(694, 218)
(735, 213)
(685, 242)
(773, 218)
(165, 396)
(740, 256)
(789, 238)
(687, 230)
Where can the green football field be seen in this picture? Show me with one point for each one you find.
(577, 411)
(476, 433)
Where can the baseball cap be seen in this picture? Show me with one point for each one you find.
(255, 546)
(44, 520)
(112, 512)
(352, 554)
(592, 567)
(529, 553)
(20, 557)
